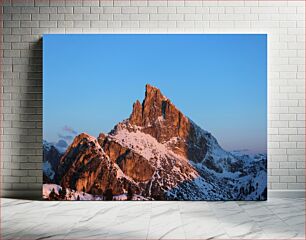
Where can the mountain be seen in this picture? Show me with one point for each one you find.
(85, 167)
(160, 154)
(158, 117)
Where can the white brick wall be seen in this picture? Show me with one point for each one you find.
(24, 21)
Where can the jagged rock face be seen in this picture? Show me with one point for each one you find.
(158, 117)
(131, 163)
(52, 156)
(85, 166)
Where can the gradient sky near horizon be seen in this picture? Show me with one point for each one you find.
(90, 82)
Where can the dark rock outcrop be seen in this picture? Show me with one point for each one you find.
(158, 117)
(53, 157)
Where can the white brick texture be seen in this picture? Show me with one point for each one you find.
(24, 22)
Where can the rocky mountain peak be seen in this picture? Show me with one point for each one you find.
(153, 107)
(160, 118)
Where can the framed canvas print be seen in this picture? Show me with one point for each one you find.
(155, 117)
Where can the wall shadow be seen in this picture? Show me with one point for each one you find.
(30, 158)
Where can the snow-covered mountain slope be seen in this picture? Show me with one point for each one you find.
(173, 176)
(220, 175)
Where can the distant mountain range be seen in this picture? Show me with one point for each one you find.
(156, 154)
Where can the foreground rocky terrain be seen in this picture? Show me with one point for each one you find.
(156, 154)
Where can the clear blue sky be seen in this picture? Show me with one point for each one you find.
(218, 80)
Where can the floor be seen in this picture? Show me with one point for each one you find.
(274, 219)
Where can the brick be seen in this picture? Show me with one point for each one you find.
(81, 10)
(65, 24)
(228, 17)
(44, 3)
(287, 117)
(91, 16)
(137, 3)
(185, 10)
(167, 24)
(296, 172)
(96, 10)
(57, 3)
(73, 16)
(202, 10)
(287, 165)
(158, 3)
(274, 179)
(176, 17)
(29, 10)
(160, 17)
(111, 10)
(81, 24)
(195, 3)
(74, 3)
(63, 10)
(11, 24)
(91, 3)
(222, 24)
(148, 24)
(46, 24)
(104, 17)
(40, 16)
(277, 186)
(57, 17)
(29, 24)
(296, 186)
(185, 24)
(10, 179)
(296, 158)
(294, 124)
(22, 16)
(129, 10)
(27, 179)
(130, 24)
(287, 179)
(193, 17)
(147, 9)
(19, 173)
(166, 10)
(98, 24)
(296, 151)
(139, 17)
(23, 3)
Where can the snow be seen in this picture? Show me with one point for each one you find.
(207, 183)
(47, 188)
(160, 119)
(47, 145)
(141, 143)
(73, 195)
(70, 194)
